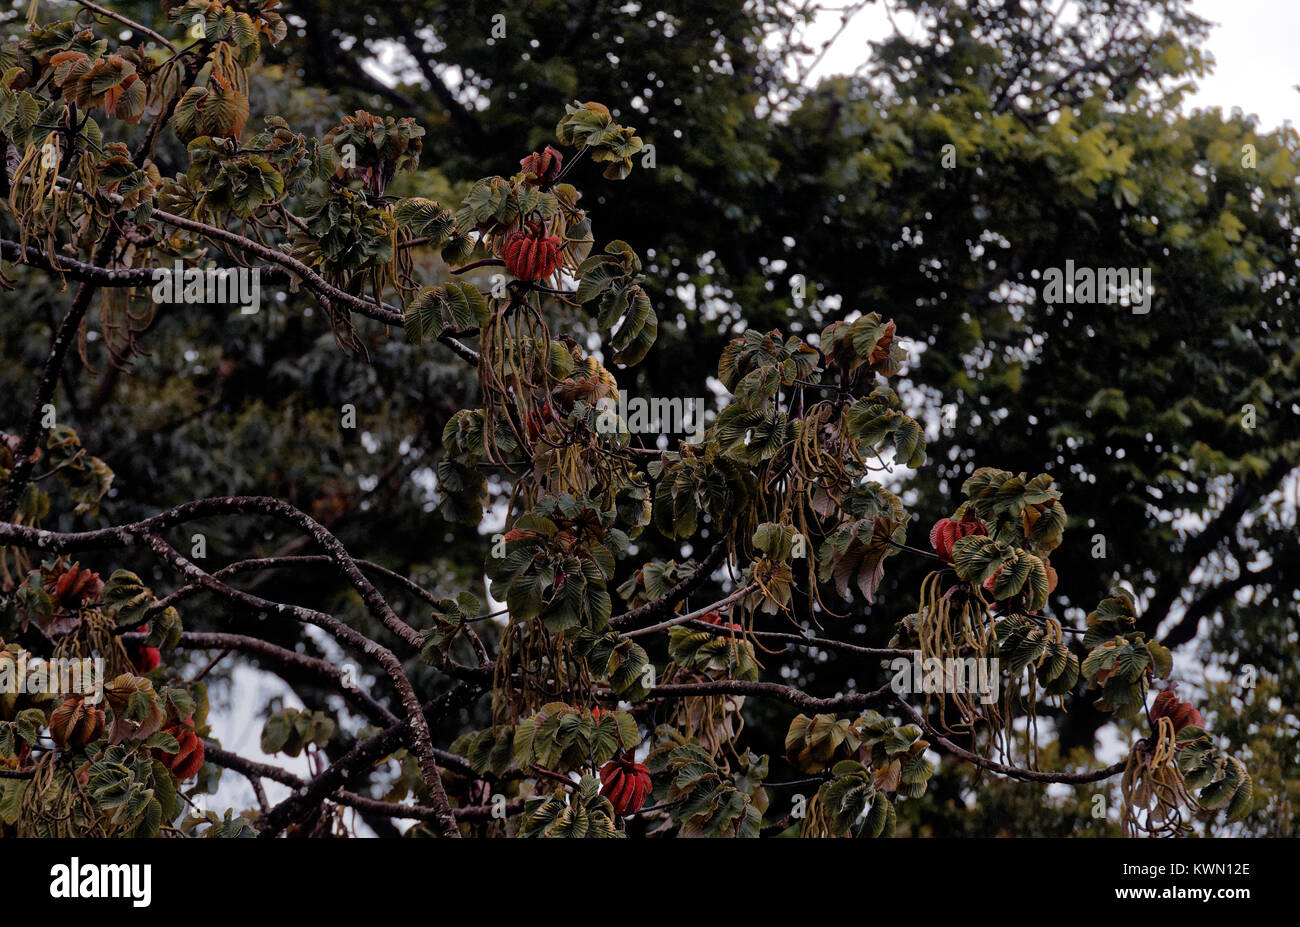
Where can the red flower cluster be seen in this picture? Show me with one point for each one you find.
(716, 618)
(531, 254)
(144, 658)
(1168, 705)
(625, 783)
(186, 761)
(543, 165)
(947, 532)
(538, 420)
(73, 587)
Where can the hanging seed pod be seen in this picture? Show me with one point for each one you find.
(531, 254)
(75, 724)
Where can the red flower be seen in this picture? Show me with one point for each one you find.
(531, 254)
(1168, 705)
(186, 761)
(73, 587)
(538, 420)
(715, 618)
(543, 165)
(144, 658)
(625, 783)
(947, 532)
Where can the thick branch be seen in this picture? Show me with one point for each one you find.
(64, 337)
(797, 697)
(698, 613)
(130, 23)
(326, 291)
(422, 741)
(357, 760)
(282, 657)
(466, 124)
(1211, 601)
(800, 640)
(84, 271)
(254, 770)
(266, 563)
(128, 535)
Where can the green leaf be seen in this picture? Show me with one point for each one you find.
(455, 306)
(881, 819)
(126, 595)
(425, 218)
(275, 732)
(976, 557)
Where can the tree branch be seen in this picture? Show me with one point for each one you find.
(357, 760)
(1197, 548)
(128, 535)
(64, 336)
(802, 641)
(99, 10)
(254, 770)
(1211, 601)
(146, 531)
(1012, 772)
(282, 657)
(788, 694)
(422, 742)
(698, 613)
(665, 604)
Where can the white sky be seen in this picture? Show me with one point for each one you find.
(1257, 64)
(1254, 46)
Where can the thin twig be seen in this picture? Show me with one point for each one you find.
(129, 23)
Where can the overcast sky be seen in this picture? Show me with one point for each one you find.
(1254, 46)
(1257, 63)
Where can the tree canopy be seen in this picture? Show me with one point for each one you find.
(412, 483)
